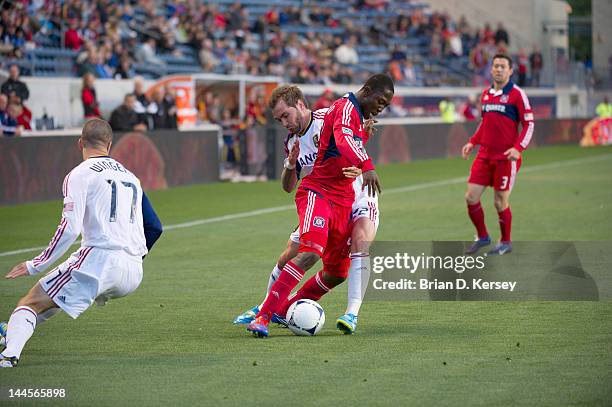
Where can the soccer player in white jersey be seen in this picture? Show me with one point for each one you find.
(288, 106)
(103, 202)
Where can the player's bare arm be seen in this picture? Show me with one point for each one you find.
(18, 271)
(370, 180)
(467, 150)
(289, 175)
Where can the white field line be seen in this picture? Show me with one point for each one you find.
(410, 188)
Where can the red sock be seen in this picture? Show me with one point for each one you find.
(505, 224)
(286, 281)
(477, 216)
(313, 289)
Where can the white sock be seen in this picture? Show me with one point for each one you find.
(358, 280)
(21, 326)
(44, 316)
(273, 276)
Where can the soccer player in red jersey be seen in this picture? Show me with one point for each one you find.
(504, 107)
(325, 197)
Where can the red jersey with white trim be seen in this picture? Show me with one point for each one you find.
(502, 111)
(341, 145)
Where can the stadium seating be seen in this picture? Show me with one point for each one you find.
(48, 58)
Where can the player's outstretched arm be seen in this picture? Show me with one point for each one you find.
(18, 271)
(370, 180)
(69, 228)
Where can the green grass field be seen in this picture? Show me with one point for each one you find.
(172, 342)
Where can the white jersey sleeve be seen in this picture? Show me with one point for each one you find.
(74, 190)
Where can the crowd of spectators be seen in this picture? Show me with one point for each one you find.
(141, 111)
(110, 37)
(14, 114)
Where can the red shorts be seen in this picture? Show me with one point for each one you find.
(325, 229)
(499, 174)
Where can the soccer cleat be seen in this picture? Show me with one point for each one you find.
(347, 323)
(500, 249)
(8, 361)
(478, 244)
(259, 327)
(279, 320)
(3, 328)
(247, 316)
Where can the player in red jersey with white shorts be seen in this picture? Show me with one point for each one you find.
(325, 198)
(504, 107)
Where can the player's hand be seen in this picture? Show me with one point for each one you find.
(294, 153)
(19, 270)
(351, 172)
(467, 150)
(512, 154)
(368, 126)
(370, 179)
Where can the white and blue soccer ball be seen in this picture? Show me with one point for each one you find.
(305, 317)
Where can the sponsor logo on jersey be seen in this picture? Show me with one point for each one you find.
(503, 99)
(61, 298)
(318, 222)
(348, 131)
(528, 116)
(308, 159)
(494, 108)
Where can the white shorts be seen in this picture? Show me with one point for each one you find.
(364, 206)
(295, 235)
(92, 274)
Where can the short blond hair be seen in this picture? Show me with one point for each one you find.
(290, 94)
(96, 133)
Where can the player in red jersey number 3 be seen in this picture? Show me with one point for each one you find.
(504, 107)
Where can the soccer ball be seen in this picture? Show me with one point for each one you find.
(305, 317)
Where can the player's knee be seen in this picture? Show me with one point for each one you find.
(289, 253)
(359, 241)
(471, 198)
(364, 232)
(306, 260)
(36, 299)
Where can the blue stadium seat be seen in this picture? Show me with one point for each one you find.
(302, 29)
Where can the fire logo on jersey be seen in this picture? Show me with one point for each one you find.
(315, 140)
(318, 222)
